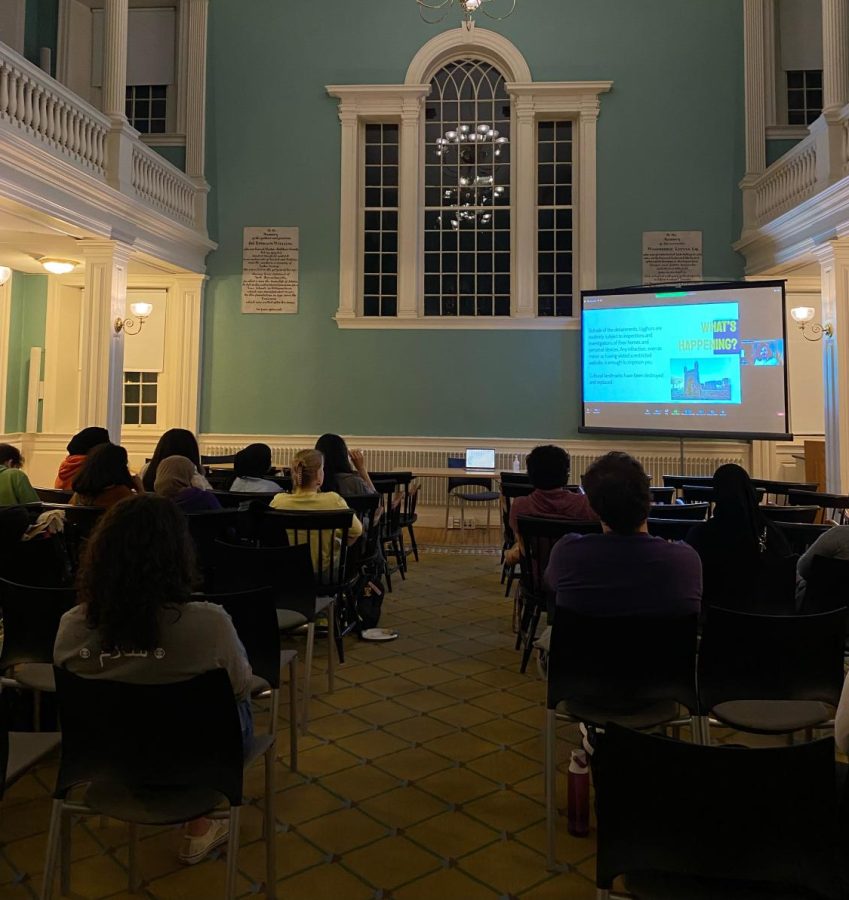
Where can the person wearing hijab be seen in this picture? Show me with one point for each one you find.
(251, 465)
(78, 447)
(175, 442)
(174, 480)
(735, 542)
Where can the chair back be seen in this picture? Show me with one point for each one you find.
(678, 481)
(458, 462)
(30, 621)
(701, 493)
(510, 490)
(392, 501)
(220, 479)
(182, 736)
(287, 570)
(800, 536)
(365, 508)
(52, 495)
(743, 656)
(254, 616)
(834, 506)
(324, 531)
(670, 529)
(662, 494)
(786, 513)
(733, 824)
(775, 489)
(514, 478)
(208, 527)
(539, 535)
(44, 561)
(217, 460)
(827, 585)
(694, 512)
(617, 662)
(242, 499)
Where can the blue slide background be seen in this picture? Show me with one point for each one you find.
(640, 376)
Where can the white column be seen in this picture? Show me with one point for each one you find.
(115, 59)
(835, 54)
(409, 257)
(183, 344)
(195, 87)
(754, 52)
(834, 265)
(349, 212)
(102, 348)
(523, 197)
(586, 233)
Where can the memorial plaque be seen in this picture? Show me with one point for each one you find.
(270, 270)
(672, 257)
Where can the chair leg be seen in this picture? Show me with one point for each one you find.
(529, 639)
(550, 737)
(65, 854)
(305, 715)
(293, 714)
(53, 848)
(386, 568)
(524, 622)
(413, 543)
(232, 852)
(270, 823)
(399, 555)
(133, 861)
(331, 646)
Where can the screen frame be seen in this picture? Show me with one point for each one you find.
(583, 428)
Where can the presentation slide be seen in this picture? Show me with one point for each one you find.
(699, 360)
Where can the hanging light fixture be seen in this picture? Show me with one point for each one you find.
(468, 8)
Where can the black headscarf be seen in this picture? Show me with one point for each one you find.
(736, 505)
(254, 461)
(86, 439)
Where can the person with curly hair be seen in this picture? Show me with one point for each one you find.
(15, 487)
(136, 620)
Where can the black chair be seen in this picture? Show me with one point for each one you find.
(208, 527)
(485, 495)
(662, 494)
(254, 616)
(514, 478)
(539, 535)
(410, 493)
(771, 674)
(681, 821)
(43, 561)
(30, 623)
(827, 586)
(288, 572)
(52, 495)
(775, 489)
(670, 529)
(804, 515)
(80, 521)
(20, 751)
(510, 490)
(243, 499)
(154, 755)
(694, 512)
(220, 479)
(217, 460)
(679, 481)
(700, 493)
(834, 506)
(636, 671)
(801, 536)
(391, 534)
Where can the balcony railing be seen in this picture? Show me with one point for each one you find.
(44, 112)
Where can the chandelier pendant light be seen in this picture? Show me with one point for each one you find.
(468, 8)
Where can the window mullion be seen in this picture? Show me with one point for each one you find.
(524, 210)
(408, 208)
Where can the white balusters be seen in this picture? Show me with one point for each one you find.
(162, 185)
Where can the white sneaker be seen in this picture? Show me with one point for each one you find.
(195, 849)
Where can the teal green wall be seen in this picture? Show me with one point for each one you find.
(670, 139)
(40, 28)
(175, 155)
(27, 323)
(777, 147)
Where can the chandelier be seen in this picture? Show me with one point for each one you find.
(468, 8)
(474, 152)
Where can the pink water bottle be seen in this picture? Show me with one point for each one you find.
(578, 795)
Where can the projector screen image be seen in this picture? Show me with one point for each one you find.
(702, 360)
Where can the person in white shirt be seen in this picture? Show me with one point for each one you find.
(252, 465)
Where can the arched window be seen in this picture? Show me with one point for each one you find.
(467, 193)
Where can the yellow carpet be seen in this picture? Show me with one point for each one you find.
(421, 777)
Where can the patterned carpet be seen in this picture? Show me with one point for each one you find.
(421, 777)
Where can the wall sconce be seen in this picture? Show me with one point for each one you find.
(5, 274)
(133, 324)
(803, 317)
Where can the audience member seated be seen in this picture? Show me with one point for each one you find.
(174, 481)
(548, 470)
(175, 442)
(251, 466)
(307, 479)
(344, 470)
(734, 540)
(15, 488)
(624, 570)
(833, 543)
(140, 625)
(104, 478)
(79, 445)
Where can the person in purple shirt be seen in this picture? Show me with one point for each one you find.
(624, 571)
(174, 481)
(548, 470)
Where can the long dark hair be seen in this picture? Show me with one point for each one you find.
(336, 460)
(736, 506)
(139, 560)
(105, 466)
(175, 442)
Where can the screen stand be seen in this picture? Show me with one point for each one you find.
(681, 457)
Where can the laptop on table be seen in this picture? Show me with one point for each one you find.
(480, 459)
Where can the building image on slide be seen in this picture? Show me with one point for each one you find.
(691, 387)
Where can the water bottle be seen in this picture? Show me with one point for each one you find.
(517, 466)
(578, 795)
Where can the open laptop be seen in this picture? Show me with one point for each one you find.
(480, 459)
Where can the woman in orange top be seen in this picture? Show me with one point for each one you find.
(104, 478)
(78, 447)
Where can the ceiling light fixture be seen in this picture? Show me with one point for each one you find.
(5, 274)
(803, 316)
(58, 266)
(468, 8)
(134, 323)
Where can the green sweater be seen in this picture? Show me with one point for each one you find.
(15, 488)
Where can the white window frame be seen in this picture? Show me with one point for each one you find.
(404, 104)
